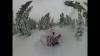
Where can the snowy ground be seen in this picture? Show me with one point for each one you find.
(33, 47)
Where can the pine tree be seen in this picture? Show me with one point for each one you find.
(81, 21)
(78, 23)
(44, 23)
(68, 20)
(80, 27)
(75, 5)
(61, 18)
(65, 20)
(85, 14)
(22, 19)
(22, 10)
(32, 23)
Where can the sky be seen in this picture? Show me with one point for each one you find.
(41, 7)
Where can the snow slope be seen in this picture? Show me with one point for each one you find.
(32, 46)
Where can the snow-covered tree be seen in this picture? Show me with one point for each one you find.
(85, 14)
(78, 23)
(22, 10)
(68, 20)
(80, 20)
(32, 23)
(79, 33)
(80, 27)
(62, 18)
(75, 5)
(22, 19)
(44, 23)
(65, 20)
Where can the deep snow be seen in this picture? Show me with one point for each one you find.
(32, 46)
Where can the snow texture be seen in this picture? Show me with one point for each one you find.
(32, 45)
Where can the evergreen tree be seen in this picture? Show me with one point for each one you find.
(26, 13)
(65, 20)
(22, 19)
(80, 20)
(68, 20)
(32, 23)
(85, 14)
(80, 27)
(44, 23)
(22, 10)
(61, 18)
(79, 33)
(75, 5)
(78, 23)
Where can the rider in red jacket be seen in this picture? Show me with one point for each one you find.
(53, 40)
(56, 40)
(50, 39)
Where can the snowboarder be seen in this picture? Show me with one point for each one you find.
(53, 40)
(50, 39)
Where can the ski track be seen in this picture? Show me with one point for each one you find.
(33, 47)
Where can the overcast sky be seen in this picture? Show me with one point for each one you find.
(41, 7)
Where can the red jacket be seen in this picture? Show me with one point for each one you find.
(54, 37)
(50, 37)
(58, 37)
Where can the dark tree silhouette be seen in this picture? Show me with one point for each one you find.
(22, 19)
(75, 5)
(44, 23)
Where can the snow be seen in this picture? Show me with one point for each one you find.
(32, 46)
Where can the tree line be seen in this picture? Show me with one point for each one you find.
(24, 24)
